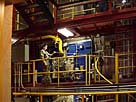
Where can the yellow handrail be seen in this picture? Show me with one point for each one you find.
(72, 93)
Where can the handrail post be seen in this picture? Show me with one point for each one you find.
(41, 98)
(116, 69)
(33, 73)
(86, 67)
(117, 97)
(89, 70)
(28, 72)
(58, 72)
(94, 69)
(72, 12)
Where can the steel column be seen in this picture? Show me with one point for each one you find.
(5, 52)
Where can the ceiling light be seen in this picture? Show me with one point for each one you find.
(124, 1)
(65, 32)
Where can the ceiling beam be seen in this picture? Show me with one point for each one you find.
(46, 11)
(83, 20)
(97, 18)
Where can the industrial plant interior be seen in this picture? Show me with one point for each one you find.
(74, 51)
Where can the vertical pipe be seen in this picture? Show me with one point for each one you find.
(21, 75)
(116, 69)
(18, 75)
(33, 73)
(21, 68)
(99, 77)
(55, 13)
(17, 22)
(15, 76)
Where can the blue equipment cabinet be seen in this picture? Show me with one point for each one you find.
(81, 47)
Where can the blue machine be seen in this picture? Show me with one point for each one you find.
(82, 47)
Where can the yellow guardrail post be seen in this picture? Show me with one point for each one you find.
(83, 98)
(58, 72)
(86, 66)
(41, 98)
(99, 77)
(89, 70)
(94, 69)
(116, 69)
(117, 97)
(116, 73)
(28, 72)
(33, 73)
(63, 16)
(72, 12)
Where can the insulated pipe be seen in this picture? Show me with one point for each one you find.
(55, 38)
(96, 61)
(22, 86)
(15, 77)
(18, 75)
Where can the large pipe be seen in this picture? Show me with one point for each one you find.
(96, 61)
(55, 38)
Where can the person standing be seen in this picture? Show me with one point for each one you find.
(44, 54)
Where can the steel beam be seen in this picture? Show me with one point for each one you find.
(5, 52)
(85, 20)
(97, 18)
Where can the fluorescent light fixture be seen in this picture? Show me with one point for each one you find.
(14, 40)
(124, 1)
(65, 32)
